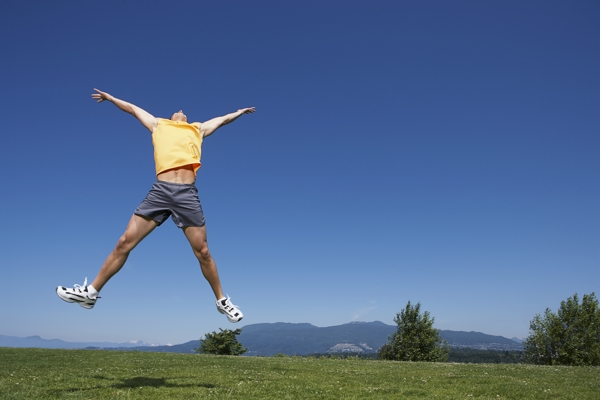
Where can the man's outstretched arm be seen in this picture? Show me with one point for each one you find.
(210, 126)
(147, 119)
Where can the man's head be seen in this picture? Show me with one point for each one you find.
(179, 116)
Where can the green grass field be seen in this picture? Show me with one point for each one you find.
(95, 374)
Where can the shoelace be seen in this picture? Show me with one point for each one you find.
(81, 287)
(228, 303)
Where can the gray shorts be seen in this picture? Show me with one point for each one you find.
(179, 201)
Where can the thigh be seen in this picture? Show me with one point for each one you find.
(138, 228)
(196, 235)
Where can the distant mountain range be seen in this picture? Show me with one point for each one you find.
(38, 342)
(290, 339)
(357, 337)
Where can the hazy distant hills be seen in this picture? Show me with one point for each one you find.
(38, 342)
(292, 339)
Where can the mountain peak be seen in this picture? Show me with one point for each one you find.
(368, 323)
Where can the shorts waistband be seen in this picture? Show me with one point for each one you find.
(175, 184)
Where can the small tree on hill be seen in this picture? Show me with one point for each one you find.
(415, 338)
(571, 337)
(222, 343)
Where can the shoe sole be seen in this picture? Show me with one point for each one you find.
(63, 297)
(228, 317)
(71, 300)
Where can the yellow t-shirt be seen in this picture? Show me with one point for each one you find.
(176, 144)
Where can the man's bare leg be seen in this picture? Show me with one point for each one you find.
(137, 229)
(197, 238)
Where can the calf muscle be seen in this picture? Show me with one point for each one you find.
(137, 229)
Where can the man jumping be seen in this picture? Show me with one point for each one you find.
(177, 151)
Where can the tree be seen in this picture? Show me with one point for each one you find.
(570, 337)
(222, 343)
(415, 339)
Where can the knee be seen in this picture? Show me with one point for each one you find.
(203, 255)
(124, 245)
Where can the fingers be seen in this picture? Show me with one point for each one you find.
(100, 96)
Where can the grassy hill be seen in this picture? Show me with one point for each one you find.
(81, 374)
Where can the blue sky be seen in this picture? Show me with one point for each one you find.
(438, 152)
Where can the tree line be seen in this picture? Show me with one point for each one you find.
(569, 337)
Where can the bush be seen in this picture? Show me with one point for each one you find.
(571, 337)
(415, 338)
(222, 343)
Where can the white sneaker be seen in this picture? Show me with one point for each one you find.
(77, 294)
(233, 313)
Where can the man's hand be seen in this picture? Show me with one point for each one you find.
(249, 110)
(101, 96)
